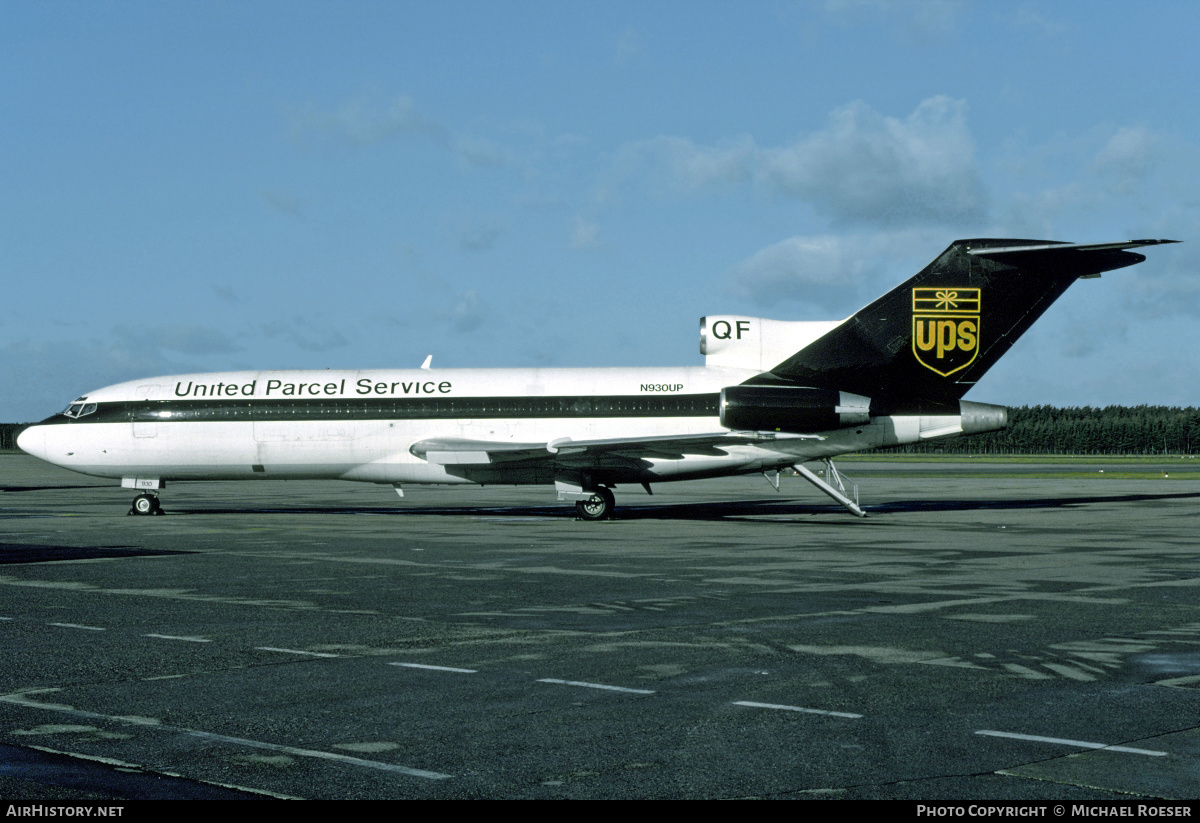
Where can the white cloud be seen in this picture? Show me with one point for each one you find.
(188, 339)
(584, 234)
(468, 312)
(478, 236)
(305, 334)
(864, 167)
(692, 166)
(1039, 214)
(478, 151)
(1167, 283)
(680, 165)
(630, 46)
(834, 275)
(360, 123)
(816, 270)
(1027, 19)
(861, 168)
(924, 18)
(284, 202)
(1127, 158)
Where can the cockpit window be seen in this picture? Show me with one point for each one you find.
(79, 409)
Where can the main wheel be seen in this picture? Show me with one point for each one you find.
(597, 507)
(145, 504)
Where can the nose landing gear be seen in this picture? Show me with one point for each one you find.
(146, 504)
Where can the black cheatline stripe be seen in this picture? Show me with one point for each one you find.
(401, 408)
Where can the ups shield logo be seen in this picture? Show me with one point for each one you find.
(945, 328)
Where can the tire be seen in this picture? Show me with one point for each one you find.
(145, 504)
(597, 507)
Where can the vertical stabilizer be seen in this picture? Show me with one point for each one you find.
(923, 345)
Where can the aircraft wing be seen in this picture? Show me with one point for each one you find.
(458, 451)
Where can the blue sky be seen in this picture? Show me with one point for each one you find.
(210, 186)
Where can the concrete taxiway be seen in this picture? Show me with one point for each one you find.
(976, 637)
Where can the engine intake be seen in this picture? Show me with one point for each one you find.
(793, 409)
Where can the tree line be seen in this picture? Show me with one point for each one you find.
(1082, 430)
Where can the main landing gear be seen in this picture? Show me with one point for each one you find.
(146, 504)
(593, 501)
(599, 506)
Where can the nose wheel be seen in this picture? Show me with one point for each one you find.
(597, 507)
(146, 504)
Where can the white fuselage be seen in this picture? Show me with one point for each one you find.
(362, 425)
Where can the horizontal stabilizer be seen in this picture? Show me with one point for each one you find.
(1067, 247)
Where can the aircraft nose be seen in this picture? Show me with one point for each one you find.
(33, 441)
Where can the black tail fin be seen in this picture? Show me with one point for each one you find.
(923, 345)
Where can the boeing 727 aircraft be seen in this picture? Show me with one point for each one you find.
(772, 394)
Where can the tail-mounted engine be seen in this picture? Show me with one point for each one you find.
(792, 409)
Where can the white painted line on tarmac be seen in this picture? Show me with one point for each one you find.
(802, 709)
(435, 668)
(293, 651)
(151, 724)
(175, 637)
(1083, 744)
(78, 626)
(595, 686)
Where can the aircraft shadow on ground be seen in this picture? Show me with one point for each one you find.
(105, 779)
(15, 489)
(714, 510)
(14, 553)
